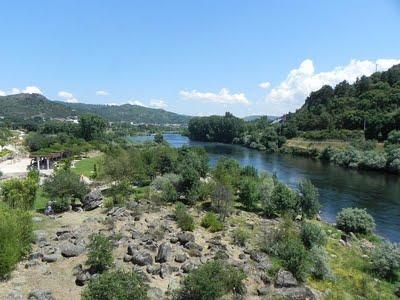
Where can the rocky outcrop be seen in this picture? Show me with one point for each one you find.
(164, 252)
(92, 200)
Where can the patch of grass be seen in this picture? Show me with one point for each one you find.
(41, 200)
(351, 278)
(86, 166)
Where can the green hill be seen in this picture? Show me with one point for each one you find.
(371, 103)
(27, 106)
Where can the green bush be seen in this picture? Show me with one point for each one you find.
(248, 192)
(99, 253)
(211, 281)
(212, 222)
(283, 200)
(285, 244)
(60, 204)
(183, 218)
(355, 220)
(20, 193)
(320, 268)
(312, 235)
(65, 184)
(15, 236)
(169, 192)
(308, 198)
(386, 260)
(241, 236)
(116, 285)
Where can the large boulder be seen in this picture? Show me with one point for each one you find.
(40, 294)
(69, 249)
(285, 279)
(142, 258)
(164, 252)
(297, 293)
(184, 237)
(92, 200)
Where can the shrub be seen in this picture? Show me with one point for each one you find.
(248, 192)
(386, 260)
(240, 236)
(308, 198)
(373, 160)
(60, 205)
(183, 218)
(320, 268)
(20, 193)
(355, 220)
(312, 235)
(283, 199)
(284, 243)
(15, 236)
(65, 184)
(99, 253)
(394, 137)
(222, 199)
(212, 222)
(169, 192)
(116, 285)
(211, 281)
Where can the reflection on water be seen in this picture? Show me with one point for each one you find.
(379, 193)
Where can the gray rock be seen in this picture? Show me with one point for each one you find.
(127, 258)
(35, 255)
(40, 236)
(70, 250)
(285, 279)
(40, 294)
(174, 240)
(132, 249)
(296, 293)
(164, 252)
(165, 271)
(31, 263)
(82, 278)
(184, 237)
(142, 258)
(180, 258)
(92, 200)
(258, 256)
(188, 266)
(263, 291)
(193, 246)
(51, 257)
(153, 269)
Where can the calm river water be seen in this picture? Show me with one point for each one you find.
(377, 192)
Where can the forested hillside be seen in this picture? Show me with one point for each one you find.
(16, 108)
(371, 103)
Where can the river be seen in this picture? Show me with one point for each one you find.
(379, 193)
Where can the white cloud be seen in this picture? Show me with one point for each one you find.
(265, 85)
(223, 97)
(102, 93)
(67, 97)
(136, 102)
(291, 93)
(28, 90)
(32, 90)
(113, 104)
(158, 103)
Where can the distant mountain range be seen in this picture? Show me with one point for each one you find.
(27, 106)
(256, 117)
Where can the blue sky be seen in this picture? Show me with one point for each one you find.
(193, 57)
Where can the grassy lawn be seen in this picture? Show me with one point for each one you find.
(41, 200)
(86, 165)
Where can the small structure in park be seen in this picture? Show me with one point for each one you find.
(42, 161)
